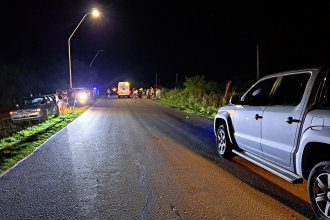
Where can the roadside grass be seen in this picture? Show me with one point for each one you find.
(20, 144)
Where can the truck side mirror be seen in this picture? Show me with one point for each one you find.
(235, 99)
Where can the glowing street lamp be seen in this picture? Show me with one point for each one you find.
(95, 13)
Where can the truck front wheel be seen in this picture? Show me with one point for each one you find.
(224, 146)
(319, 189)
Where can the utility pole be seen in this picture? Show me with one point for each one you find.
(257, 61)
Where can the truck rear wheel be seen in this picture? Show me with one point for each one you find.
(319, 189)
(224, 146)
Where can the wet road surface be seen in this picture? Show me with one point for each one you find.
(135, 159)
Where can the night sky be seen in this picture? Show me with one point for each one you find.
(140, 38)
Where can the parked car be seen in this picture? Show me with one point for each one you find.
(36, 108)
(82, 96)
(282, 123)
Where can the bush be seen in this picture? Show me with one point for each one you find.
(201, 96)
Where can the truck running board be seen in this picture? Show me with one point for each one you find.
(287, 175)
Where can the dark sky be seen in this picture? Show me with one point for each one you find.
(140, 38)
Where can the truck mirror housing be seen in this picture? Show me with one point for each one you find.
(235, 99)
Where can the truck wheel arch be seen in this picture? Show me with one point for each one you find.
(314, 153)
(226, 120)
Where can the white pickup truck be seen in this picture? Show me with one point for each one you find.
(282, 123)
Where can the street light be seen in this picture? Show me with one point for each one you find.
(95, 13)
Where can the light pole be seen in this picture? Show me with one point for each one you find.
(94, 13)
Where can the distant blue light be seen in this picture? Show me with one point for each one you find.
(94, 88)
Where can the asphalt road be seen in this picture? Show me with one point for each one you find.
(135, 159)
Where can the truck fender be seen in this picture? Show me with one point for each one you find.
(225, 117)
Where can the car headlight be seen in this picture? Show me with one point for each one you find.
(37, 110)
(83, 96)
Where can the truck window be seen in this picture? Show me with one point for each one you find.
(290, 89)
(259, 94)
(325, 95)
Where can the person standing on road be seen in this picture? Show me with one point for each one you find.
(140, 92)
(60, 102)
(109, 93)
(65, 100)
(158, 93)
(71, 100)
(152, 93)
(135, 93)
(148, 93)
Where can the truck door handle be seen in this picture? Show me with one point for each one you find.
(257, 116)
(290, 120)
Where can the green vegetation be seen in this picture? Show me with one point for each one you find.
(201, 96)
(25, 138)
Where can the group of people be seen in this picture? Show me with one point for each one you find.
(153, 93)
(64, 100)
(149, 93)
